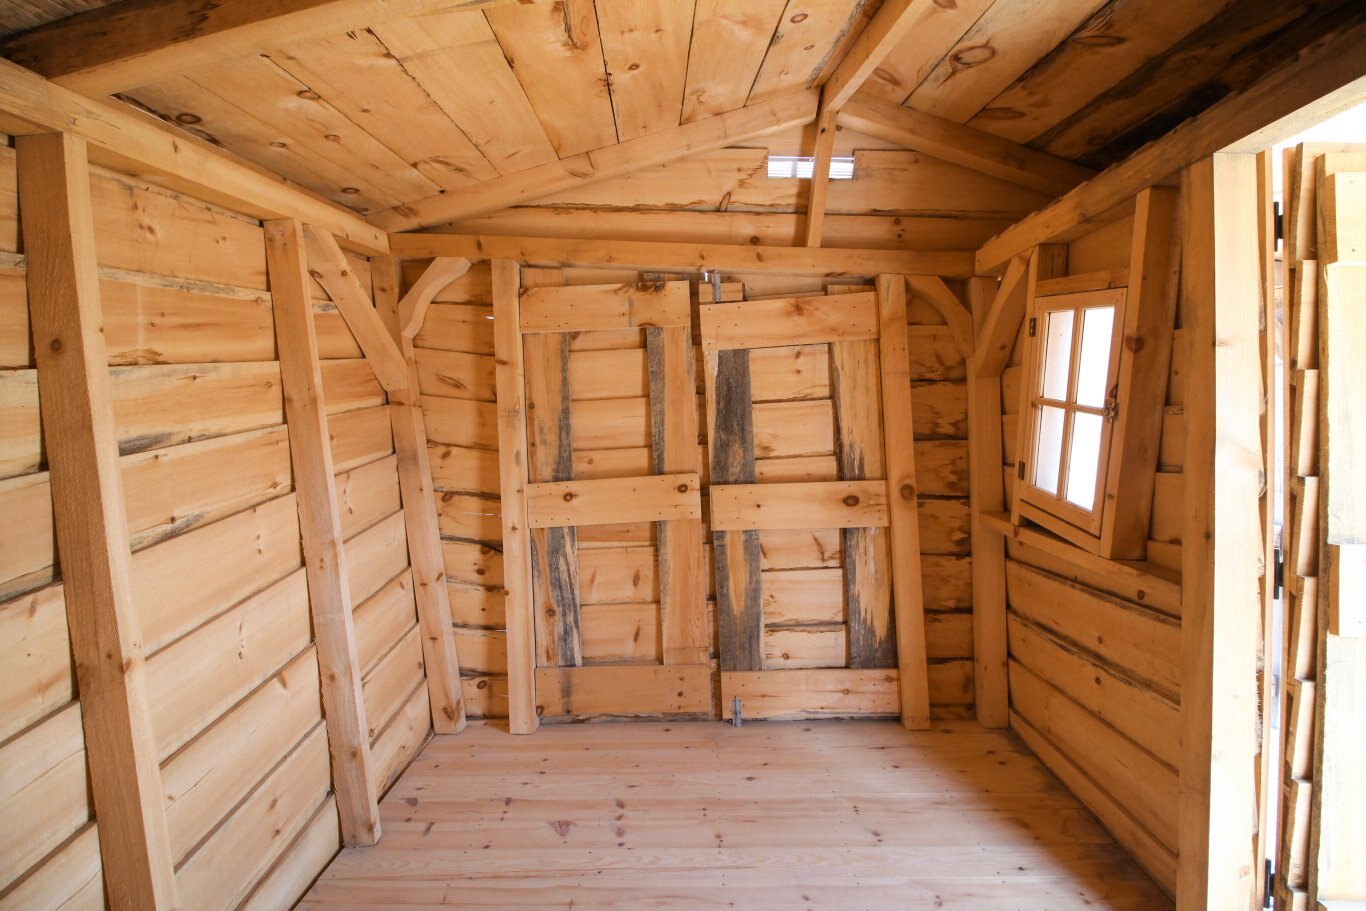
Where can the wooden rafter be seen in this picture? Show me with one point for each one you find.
(962, 145)
(893, 22)
(820, 174)
(650, 255)
(781, 112)
(1325, 78)
(126, 140)
(139, 42)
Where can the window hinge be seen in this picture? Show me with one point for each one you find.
(1033, 325)
(1111, 411)
(1268, 900)
(1019, 469)
(1280, 572)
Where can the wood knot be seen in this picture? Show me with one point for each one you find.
(682, 488)
(851, 500)
(55, 346)
(569, 496)
(907, 492)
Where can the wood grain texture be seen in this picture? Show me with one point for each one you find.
(856, 389)
(789, 321)
(87, 492)
(512, 461)
(899, 440)
(320, 528)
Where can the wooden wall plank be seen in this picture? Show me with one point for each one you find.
(652, 498)
(814, 504)
(583, 308)
(320, 529)
(673, 448)
(789, 321)
(857, 393)
(832, 693)
(739, 605)
(550, 444)
(92, 534)
(598, 691)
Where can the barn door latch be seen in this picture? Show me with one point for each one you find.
(736, 707)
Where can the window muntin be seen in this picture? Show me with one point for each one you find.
(1072, 403)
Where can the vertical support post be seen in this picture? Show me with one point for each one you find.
(826, 130)
(908, 599)
(986, 491)
(90, 519)
(510, 383)
(1221, 552)
(674, 449)
(329, 594)
(419, 519)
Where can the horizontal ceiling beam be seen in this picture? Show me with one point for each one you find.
(1323, 79)
(893, 22)
(133, 43)
(125, 140)
(653, 256)
(778, 113)
(966, 146)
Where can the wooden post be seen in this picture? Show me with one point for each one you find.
(987, 495)
(1222, 545)
(91, 527)
(329, 595)
(826, 129)
(908, 599)
(510, 382)
(420, 521)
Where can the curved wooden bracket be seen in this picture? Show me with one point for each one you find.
(412, 310)
(932, 290)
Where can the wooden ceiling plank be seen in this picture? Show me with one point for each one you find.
(298, 114)
(556, 55)
(380, 97)
(204, 114)
(1118, 39)
(1005, 42)
(1210, 54)
(729, 42)
(128, 141)
(894, 21)
(809, 31)
(686, 257)
(963, 145)
(139, 42)
(936, 31)
(611, 161)
(1325, 78)
(646, 49)
(458, 60)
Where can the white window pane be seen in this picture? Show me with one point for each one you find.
(1083, 459)
(1048, 448)
(1093, 372)
(1057, 354)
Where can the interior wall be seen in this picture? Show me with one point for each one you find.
(794, 438)
(1095, 646)
(896, 200)
(217, 573)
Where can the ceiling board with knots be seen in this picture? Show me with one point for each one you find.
(470, 91)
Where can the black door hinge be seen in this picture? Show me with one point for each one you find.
(1019, 469)
(1033, 326)
(1280, 572)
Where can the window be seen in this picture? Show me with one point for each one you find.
(791, 166)
(1072, 403)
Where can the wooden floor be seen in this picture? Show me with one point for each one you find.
(827, 815)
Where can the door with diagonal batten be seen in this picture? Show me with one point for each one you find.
(613, 499)
(815, 617)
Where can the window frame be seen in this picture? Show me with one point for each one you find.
(1058, 505)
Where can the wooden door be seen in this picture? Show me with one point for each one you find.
(613, 499)
(814, 616)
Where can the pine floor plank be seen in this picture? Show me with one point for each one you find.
(828, 815)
